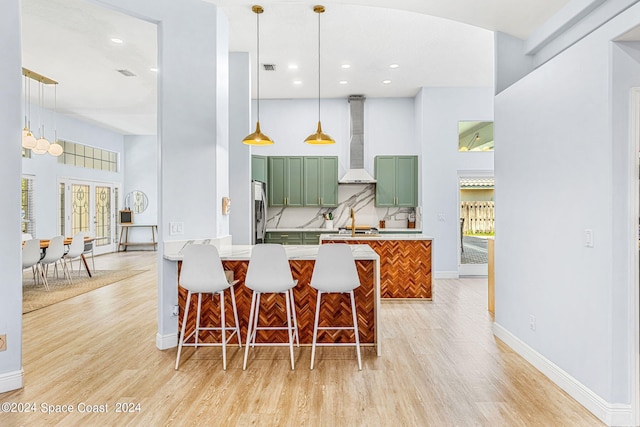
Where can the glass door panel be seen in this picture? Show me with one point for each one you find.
(79, 208)
(103, 216)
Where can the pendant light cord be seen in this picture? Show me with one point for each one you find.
(319, 67)
(258, 64)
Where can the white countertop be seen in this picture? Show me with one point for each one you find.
(303, 230)
(305, 252)
(385, 236)
(335, 230)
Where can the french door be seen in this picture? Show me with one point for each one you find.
(90, 206)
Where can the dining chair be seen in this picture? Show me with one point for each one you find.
(335, 272)
(88, 249)
(76, 248)
(269, 272)
(53, 254)
(31, 256)
(202, 273)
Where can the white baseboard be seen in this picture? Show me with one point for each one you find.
(164, 342)
(11, 381)
(445, 275)
(473, 270)
(612, 414)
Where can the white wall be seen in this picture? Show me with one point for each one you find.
(47, 171)
(140, 173)
(193, 130)
(10, 257)
(239, 153)
(562, 166)
(440, 111)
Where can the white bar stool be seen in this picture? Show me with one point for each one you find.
(269, 272)
(335, 272)
(202, 273)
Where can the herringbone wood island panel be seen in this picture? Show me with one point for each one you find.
(335, 307)
(405, 266)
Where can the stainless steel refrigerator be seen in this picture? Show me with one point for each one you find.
(258, 212)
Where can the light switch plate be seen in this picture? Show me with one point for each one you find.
(588, 238)
(176, 228)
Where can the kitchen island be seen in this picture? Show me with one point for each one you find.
(405, 262)
(235, 258)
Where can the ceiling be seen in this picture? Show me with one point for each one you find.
(434, 43)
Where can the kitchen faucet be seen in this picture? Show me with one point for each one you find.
(353, 223)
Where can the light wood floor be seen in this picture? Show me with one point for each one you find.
(441, 366)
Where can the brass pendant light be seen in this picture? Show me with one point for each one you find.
(319, 138)
(257, 138)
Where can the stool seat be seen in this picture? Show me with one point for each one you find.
(202, 273)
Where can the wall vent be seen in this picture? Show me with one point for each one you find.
(269, 67)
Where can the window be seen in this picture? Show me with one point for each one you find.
(28, 213)
(88, 157)
(475, 136)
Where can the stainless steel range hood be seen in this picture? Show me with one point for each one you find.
(356, 173)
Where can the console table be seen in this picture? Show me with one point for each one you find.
(124, 236)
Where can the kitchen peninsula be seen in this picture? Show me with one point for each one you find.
(405, 262)
(235, 258)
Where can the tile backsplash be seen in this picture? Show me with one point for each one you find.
(360, 197)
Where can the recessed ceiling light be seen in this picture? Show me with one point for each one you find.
(345, 66)
(386, 82)
(297, 82)
(343, 82)
(393, 66)
(116, 40)
(154, 69)
(293, 66)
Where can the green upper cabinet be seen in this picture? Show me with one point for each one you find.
(259, 168)
(397, 181)
(285, 181)
(320, 181)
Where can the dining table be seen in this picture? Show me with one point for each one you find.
(44, 244)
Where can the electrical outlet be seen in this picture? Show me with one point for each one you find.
(3, 342)
(532, 322)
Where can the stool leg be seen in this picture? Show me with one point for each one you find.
(235, 315)
(184, 326)
(287, 297)
(255, 319)
(315, 330)
(295, 318)
(249, 325)
(355, 328)
(198, 319)
(224, 330)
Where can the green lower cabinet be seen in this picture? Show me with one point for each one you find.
(284, 238)
(311, 238)
(293, 237)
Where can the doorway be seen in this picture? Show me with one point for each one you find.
(91, 207)
(477, 225)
